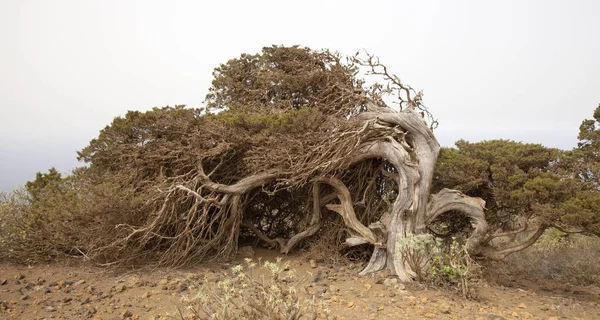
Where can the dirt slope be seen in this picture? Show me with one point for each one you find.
(82, 292)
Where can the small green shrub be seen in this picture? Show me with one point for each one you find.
(420, 251)
(267, 291)
(443, 265)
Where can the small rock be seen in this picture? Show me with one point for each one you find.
(20, 276)
(67, 299)
(192, 276)
(90, 309)
(522, 306)
(126, 314)
(25, 297)
(173, 285)
(183, 286)
(146, 295)
(50, 309)
(246, 251)
(390, 282)
(444, 308)
(3, 282)
(313, 263)
(78, 283)
(121, 288)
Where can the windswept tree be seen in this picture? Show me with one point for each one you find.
(287, 134)
(288, 137)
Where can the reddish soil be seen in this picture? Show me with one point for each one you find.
(61, 291)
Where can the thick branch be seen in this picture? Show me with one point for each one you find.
(315, 221)
(241, 187)
(271, 242)
(495, 254)
(509, 233)
(424, 147)
(346, 209)
(453, 200)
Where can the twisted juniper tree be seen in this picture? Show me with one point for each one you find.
(287, 136)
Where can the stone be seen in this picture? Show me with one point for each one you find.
(390, 282)
(246, 252)
(444, 308)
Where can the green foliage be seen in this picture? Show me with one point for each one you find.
(441, 264)
(289, 121)
(587, 153)
(128, 142)
(43, 183)
(69, 216)
(519, 182)
(280, 78)
(419, 251)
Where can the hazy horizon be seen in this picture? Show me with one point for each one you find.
(525, 71)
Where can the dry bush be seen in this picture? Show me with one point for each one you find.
(73, 218)
(328, 245)
(572, 259)
(257, 291)
(446, 265)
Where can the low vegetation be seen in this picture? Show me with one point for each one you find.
(256, 290)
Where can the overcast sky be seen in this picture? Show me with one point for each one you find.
(522, 70)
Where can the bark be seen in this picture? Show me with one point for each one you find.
(239, 188)
(492, 253)
(452, 200)
(413, 154)
(346, 210)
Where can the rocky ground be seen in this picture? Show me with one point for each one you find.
(60, 291)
